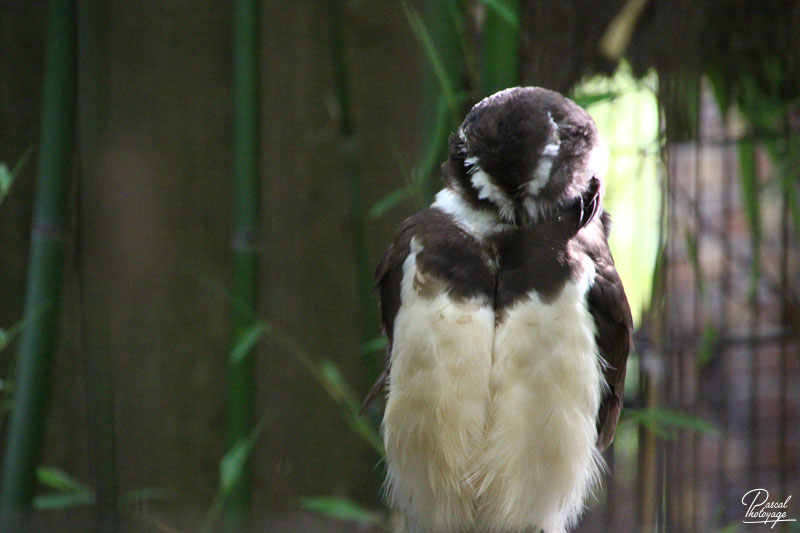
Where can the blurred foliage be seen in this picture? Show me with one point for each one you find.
(444, 78)
(8, 176)
(328, 375)
(343, 509)
(66, 491)
(232, 468)
(500, 45)
(626, 112)
(664, 422)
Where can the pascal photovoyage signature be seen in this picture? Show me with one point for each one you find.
(760, 510)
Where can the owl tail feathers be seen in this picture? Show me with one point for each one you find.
(375, 390)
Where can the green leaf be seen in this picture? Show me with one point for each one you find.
(58, 502)
(501, 47)
(431, 156)
(135, 496)
(246, 342)
(378, 344)
(58, 480)
(341, 509)
(720, 86)
(424, 37)
(503, 10)
(70, 492)
(5, 180)
(233, 463)
(7, 176)
(707, 346)
(8, 335)
(335, 383)
(660, 421)
(620, 30)
(730, 528)
(343, 394)
(388, 202)
(750, 198)
(585, 100)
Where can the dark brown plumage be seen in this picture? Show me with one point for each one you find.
(504, 315)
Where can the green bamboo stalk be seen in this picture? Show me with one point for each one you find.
(45, 267)
(246, 229)
(501, 45)
(92, 142)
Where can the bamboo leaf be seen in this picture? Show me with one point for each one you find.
(5, 180)
(720, 86)
(246, 342)
(343, 394)
(58, 480)
(341, 509)
(457, 16)
(389, 201)
(424, 37)
(329, 376)
(334, 381)
(585, 100)
(234, 463)
(501, 47)
(709, 343)
(59, 502)
(8, 335)
(661, 421)
(750, 199)
(378, 344)
(619, 31)
(431, 154)
(504, 11)
(135, 496)
(7, 177)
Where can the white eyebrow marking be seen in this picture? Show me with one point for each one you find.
(488, 190)
(541, 174)
(477, 222)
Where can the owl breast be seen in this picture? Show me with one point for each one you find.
(438, 400)
(490, 426)
(538, 458)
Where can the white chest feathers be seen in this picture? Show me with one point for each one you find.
(491, 429)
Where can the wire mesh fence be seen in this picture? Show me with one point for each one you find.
(721, 341)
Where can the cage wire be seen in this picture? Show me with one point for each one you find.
(723, 346)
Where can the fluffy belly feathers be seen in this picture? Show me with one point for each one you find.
(491, 428)
(436, 411)
(538, 458)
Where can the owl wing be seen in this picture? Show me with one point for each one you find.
(609, 307)
(388, 277)
(449, 255)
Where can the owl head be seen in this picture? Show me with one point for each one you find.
(522, 151)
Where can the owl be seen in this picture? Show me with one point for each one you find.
(508, 327)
